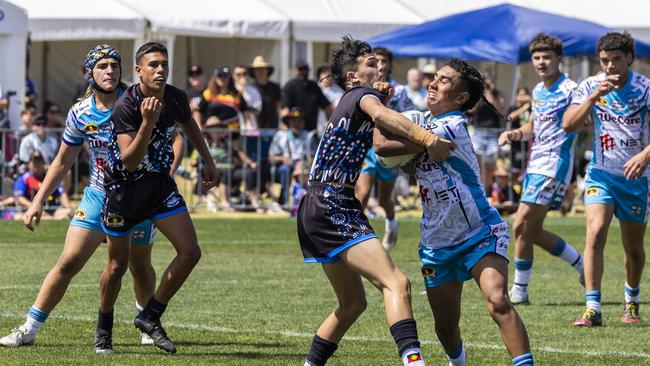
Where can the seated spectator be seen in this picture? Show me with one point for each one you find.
(415, 91)
(39, 140)
(27, 185)
(53, 116)
(222, 103)
(288, 148)
(503, 194)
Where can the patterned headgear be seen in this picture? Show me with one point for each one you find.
(96, 54)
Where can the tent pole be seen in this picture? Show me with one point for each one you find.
(515, 83)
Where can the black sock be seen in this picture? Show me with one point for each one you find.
(405, 333)
(105, 321)
(154, 310)
(321, 350)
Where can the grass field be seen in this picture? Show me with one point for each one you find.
(251, 301)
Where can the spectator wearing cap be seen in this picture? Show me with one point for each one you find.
(194, 90)
(305, 94)
(289, 148)
(332, 91)
(270, 92)
(250, 94)
(428, 74)
(39, 140)
(222, 104)
(27, 185)
(414, 90)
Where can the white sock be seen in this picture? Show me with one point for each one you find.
(571, 256)
(413, 357)
(139, 307)
(32, 326)
(460, 361)
(522, 277)
(632, 294)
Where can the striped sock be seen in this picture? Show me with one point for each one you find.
(35, 319)
(568, 253)
(524, 360)
(457, 357)
(523, 269)
(631, 293)
(593, 299)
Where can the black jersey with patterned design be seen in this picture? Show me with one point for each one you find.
(346, 140)
(127, 117)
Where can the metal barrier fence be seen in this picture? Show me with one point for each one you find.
(260, 184)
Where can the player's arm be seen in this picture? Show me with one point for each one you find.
(523, 133)
(55, 173)
(177, 147)
(193, 133)
(133, 145)
(388, 144)
(576, 115)
(438, 148)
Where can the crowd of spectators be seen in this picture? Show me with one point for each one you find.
(263, 137)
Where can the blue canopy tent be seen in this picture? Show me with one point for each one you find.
(499, 33)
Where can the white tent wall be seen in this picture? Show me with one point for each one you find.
(13, 39)
(55, 67)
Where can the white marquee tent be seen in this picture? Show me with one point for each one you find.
(13, 37)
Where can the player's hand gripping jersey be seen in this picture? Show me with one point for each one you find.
(619, 119)
(346, 140)
(454, 207)
(127, 117)
(87, 123)
(552, 152)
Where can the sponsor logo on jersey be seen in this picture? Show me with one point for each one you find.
(607, 142)
(428, 272)
(98, 143)
(606, 117)
(592, 192)
(81, 214)
(602, 101)
(91, 129)
(114, 221)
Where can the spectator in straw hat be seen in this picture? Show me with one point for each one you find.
(271, 93)
(428, 74)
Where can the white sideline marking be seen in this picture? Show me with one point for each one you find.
(288, 333)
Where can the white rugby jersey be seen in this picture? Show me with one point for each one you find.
(552, 152)
(86, 123)
(454, 206)
(619, 119)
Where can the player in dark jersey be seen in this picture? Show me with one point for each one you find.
(138, 187)
(332, 227)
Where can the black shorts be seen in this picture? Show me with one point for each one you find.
(330, 220)
(127, 203)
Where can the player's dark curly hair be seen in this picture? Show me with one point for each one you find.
(614, 41)
(149, 47)
(545, 42)
(472, 79)
(344, 58)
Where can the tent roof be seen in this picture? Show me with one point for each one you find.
(13, 19)
(81, 19)
(499, 33)
(240, 18)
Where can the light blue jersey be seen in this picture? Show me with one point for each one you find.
(552, 151)
(455, 209)
(619, 118)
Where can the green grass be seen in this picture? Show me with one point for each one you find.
(251, 301)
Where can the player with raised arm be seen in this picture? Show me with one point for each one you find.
(332, 227)
(461, 235)
(550, 165)
(617, 99)
(138, 187)
(88, 121)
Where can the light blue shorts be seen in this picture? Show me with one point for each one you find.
(88, 216)
(371, 166)
(542, 190)
(629, 197)
(443, 265)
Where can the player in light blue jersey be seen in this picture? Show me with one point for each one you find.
(373, 171)
(617, 100)
(549, 167)
(88, 121)
(462, 237)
